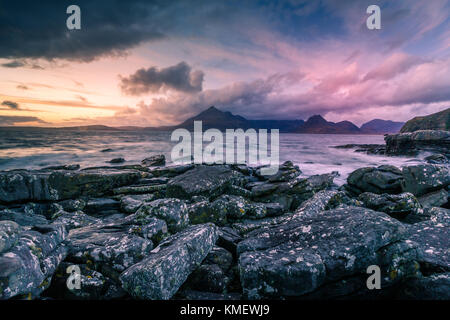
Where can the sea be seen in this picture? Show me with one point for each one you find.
(313, 153)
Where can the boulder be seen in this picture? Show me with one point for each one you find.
(9, 235)
(26, 268)
(433, 287)
(173, 211)
(98, 206)
(424, 178)
(167, 267)
(228, 239)
(434, 199)
(73, 220)
(302, 255)
(131, 203)
(286, 172)
(398, 205)
(435, 141)
(23, 218)
(434, 247)
(93, 285)
(21, 185)
(209, 181)
(321, 201)
(382, 179)
(117, 245)
(157, 160)
(116, 160)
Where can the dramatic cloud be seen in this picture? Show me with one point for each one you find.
(180, 77)
(10, 104)
(37, 29)
(15, 120)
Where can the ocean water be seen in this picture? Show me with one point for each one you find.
(34, 149)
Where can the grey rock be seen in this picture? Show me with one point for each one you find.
(94, 285)
(320, 202)
(131, 203)
(383, 179)
(286, 172)
(72, 205)
(425, 178)
(99, 205)
(297, 257)
(434, 199)
(322, 181)
(436, 141)
(228, 239)
(73, 220)
(209, 181)
(9, 235)
(117, 160)
(171, 171)
(21, 185)
(162, 273)
(398, 205)
(173, 211)
(434, 246)
(157, 160)
(27, 267)
(23, 218)
(116, 245)
(139, 189)
(208, 277)
(433, 287)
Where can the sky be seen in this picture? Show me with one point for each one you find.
(152, 63)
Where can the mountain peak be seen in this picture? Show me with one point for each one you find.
(317, 118)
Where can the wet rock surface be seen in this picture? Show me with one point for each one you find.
(152, 231)
(298, 257)
(167, 267)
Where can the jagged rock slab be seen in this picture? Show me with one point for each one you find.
(21, 185)
(434, 244)
(436, 141)
(173, 211)
(297, 257)
(382, 179)
(425, 178)
(209, 181)
(22, 218)
(161, 274)
(434, 199)
(394, 204)
(26, 268)
(115, 244)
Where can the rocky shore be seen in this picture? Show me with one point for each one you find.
(152, 231)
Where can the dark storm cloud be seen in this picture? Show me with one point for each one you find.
(12, 120)
(37, 29)
(179, 77)
(10, 104)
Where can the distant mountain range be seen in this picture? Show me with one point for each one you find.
(214, 118)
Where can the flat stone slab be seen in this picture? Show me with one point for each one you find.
(167, 267)
(297, 257)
